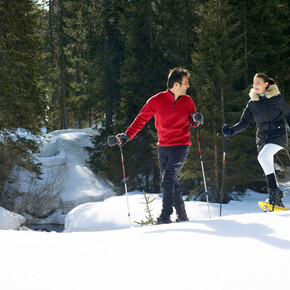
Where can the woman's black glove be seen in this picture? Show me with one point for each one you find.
(227, 131)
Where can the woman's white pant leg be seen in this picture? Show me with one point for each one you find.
(266, 157)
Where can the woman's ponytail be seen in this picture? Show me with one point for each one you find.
(271, 81)
(265, 78)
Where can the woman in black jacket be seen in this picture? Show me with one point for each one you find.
(269, 109)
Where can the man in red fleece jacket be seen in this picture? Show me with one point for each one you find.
(173, 111)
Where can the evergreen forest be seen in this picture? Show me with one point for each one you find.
(94, 63)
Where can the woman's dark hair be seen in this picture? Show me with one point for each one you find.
(265, 78)
(176, 75)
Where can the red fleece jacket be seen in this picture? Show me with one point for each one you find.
(172, 118)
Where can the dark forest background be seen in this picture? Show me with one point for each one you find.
(75, 64)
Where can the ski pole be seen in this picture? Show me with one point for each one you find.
(223, 175)
(202, 169)
(112, 141)
(125, 184)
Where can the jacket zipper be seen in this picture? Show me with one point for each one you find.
(267, 104)
(175, 100)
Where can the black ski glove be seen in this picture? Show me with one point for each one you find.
(227, 131)
(122, 138)
(197, 118)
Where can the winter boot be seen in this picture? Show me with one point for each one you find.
(181, 213)
(161, 220)
(275, 196)
(279, 197)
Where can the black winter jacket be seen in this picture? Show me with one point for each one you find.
(268, 112)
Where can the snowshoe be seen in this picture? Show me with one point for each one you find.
(274, 200)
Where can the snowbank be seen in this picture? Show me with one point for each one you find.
(67, 148)
(112, 214)
(66, 176)
(10, 220)
(232, 252)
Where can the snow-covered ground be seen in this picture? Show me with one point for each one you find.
(243, 249)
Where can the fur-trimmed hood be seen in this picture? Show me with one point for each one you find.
(272, 91)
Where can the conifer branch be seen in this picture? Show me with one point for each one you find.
(149, 217)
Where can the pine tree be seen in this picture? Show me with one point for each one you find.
(79, 59)
(58, 77)
(22, 94)
(92, 53)
(105, 54)
(175, 31)
(265, 38)
(217, 63)
(268, 42)
(264, 26)
(141, 76)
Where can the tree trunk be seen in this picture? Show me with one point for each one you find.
(63, 98)
(61, 44)
(245, 43)
(50, 4)
(108, 66)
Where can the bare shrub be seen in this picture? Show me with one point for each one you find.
(40, 198)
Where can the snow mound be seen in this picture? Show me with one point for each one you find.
(10, 220)
(67, 148)
(67, 180)
(112, 213)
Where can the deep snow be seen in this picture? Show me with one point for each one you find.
(239, 250)
(243, 249)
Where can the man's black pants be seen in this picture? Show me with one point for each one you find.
(171, 160)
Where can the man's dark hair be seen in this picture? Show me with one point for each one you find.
(176, 75)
